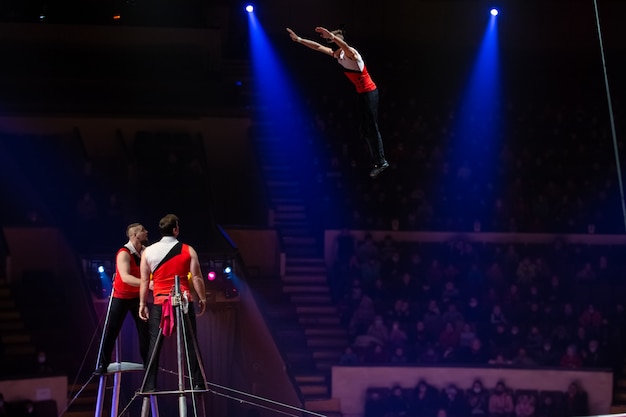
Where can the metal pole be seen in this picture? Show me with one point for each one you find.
(182, 401)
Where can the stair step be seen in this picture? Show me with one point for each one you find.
(295, 200)
(324, 406)
(295, 288)
(324, 342)
(299, 240)
(314, 319)
(325, 366)
(306, 261)
(305, 269)
(9, 316)
(7, 304)
(19, 350)
(325, 331)
(314, 389)
(11, 325)
(295, 230)
(305, 279)
(311, 379)
(289, 215)
(16, 339)
(329, 310)
(290, 208)
(331, 356)
(306, 251)
(311, 299)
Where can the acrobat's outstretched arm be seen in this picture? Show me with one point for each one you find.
(350, 52)
(316, 46)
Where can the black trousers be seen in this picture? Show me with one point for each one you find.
(368, 125)
(150, 378)
(118, 310)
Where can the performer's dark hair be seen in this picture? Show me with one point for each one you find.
(340, 32)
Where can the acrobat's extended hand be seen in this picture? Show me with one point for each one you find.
(325, 33)
(293, 35)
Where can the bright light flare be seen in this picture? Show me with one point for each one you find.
(249, 8)
(494, 12)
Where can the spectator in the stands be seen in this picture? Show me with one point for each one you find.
(495, 276)
(568, 317)
(525, 403)
(571, 359)
(499, 360)
(534, 340)
(430, 356)
(449, 336)
(433, 319)
(375, 405)
(424, 400)
(576, 402)
(591, 320)
(391, 269)
(379, 330)
(547, 356)
(376, 354)
(466, 336)
(405, 287)
(497, 316)
(349, 357)
(549, 406)
(501, 401)
(454, 316)
(586, 274)
(398, 356)
(476, 354)
(523, 359)
(367, 249)
(499, 341)
(594, 355)
(398, 403)
(477, 399)
(362, 317)
(369, 271)
(419, 338)
(397, 335)
(526, 272)
(453, 402)
(474, 312)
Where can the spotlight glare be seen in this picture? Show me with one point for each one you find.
(101, 269)
(211, 276)
(227, 270)
(249, 8)
(494, 12)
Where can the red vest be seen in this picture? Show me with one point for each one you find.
(361, 80)
(122, 289)
(163, 277)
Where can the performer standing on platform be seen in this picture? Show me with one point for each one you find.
(354, 68)
(125, 297)
(163, 261)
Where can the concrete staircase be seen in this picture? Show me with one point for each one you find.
(301, 311)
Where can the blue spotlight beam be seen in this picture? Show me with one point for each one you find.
(473, 147)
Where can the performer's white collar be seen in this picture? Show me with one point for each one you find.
(169, 239)
(132, 249)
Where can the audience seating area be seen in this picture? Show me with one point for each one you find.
(426, 400)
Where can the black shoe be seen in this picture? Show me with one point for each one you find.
(378, 169)
(101, 369)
